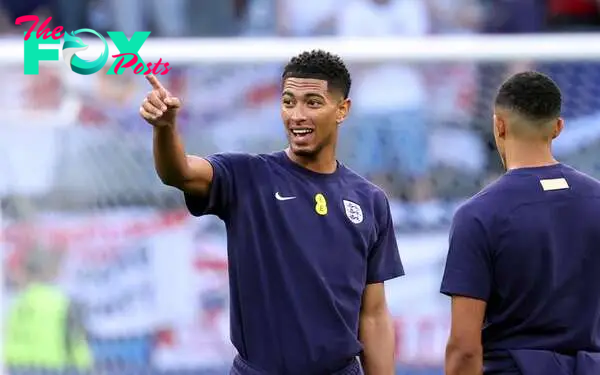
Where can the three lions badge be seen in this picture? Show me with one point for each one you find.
(353, 211)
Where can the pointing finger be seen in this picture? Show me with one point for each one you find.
(154, 82)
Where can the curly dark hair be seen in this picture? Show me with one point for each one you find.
(319, 64)
(532, 95)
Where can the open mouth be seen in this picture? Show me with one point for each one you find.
(302, 135)
(301, 131)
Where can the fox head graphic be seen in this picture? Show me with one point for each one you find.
(71, 46)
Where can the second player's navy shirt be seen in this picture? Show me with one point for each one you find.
(302, 246)
(529, 245)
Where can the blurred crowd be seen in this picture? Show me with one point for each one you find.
(207, 18)
(407, 122)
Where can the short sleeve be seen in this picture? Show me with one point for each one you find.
(468, 270)
(228, 169)
(384, 257)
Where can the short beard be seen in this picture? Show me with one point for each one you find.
(308, 154)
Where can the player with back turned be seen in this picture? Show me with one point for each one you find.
(523, 266)
(310, 243)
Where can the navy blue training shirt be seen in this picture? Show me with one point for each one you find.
(302, 246)
(529, 245)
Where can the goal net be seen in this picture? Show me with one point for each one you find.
(82, 209)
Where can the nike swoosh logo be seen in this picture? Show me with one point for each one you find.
(280, 198)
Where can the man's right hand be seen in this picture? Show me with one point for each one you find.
(159, 108)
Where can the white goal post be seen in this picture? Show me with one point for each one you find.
(564, 47)
(539, 47)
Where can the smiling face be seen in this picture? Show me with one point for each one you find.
(311, 114)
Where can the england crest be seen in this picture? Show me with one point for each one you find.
(353, 211)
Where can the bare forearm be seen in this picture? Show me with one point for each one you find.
(170, 159)
(463, 362)
(377, 337)
(192, 175)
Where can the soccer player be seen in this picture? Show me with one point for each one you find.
(310, 243)
(523, 266)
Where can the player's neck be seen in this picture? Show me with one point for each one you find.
(528, 155)
(325, 163)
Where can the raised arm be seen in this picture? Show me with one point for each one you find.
(191, 174)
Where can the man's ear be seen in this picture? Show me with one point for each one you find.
(558, 127)
(343, 110)
(499, 126)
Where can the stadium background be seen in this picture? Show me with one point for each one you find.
(79, 194)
